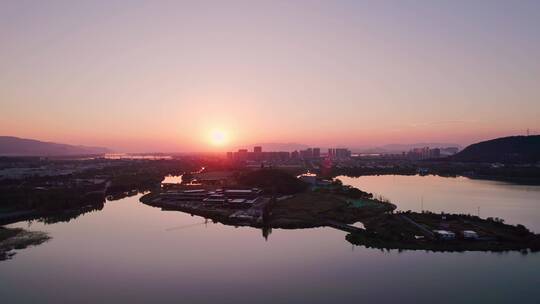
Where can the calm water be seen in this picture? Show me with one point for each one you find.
(129, 252)
(516, 204)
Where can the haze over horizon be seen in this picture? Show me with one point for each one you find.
(145, 76)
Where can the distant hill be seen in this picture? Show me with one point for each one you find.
(513, 149)
(14, 146)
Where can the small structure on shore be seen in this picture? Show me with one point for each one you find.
(237, 198)
(314, 180)
(469, 234)
(444, 234)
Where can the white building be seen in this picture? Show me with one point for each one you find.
(444, 234)
(469, 234)
(309, 178)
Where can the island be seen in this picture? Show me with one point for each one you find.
(270, 198)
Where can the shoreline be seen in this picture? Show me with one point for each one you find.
(305, 213)
(384, 229)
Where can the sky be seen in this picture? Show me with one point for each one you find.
(141, 76)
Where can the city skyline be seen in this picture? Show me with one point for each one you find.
(150, 77)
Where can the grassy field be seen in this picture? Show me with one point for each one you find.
(318, 207)
(311, 202)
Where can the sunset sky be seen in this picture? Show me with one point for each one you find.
(199, 76)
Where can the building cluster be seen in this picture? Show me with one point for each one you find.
(424, 153)
(234, 198)
(430, 153)
(308, 154)
(414, 154)
(449, 235)
(257, 155)
(339, 153)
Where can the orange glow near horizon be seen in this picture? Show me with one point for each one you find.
(214, 77)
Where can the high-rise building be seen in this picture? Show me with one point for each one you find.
(331, 153)
(342, 153)
(257, 155)
(316, 152)
(306, 154)
(242, 154)
(424, 153)
(435, 153)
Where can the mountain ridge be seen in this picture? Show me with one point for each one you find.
(16, 146)
(511, 149)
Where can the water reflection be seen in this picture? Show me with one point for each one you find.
(71, 214)
(266, 231)
(130, 252)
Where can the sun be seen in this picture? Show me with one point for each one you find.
(218, 137)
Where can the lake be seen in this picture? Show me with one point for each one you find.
(516, 204)
(130, 252)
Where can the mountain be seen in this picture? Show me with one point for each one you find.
(513, 149)
(14, 146)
